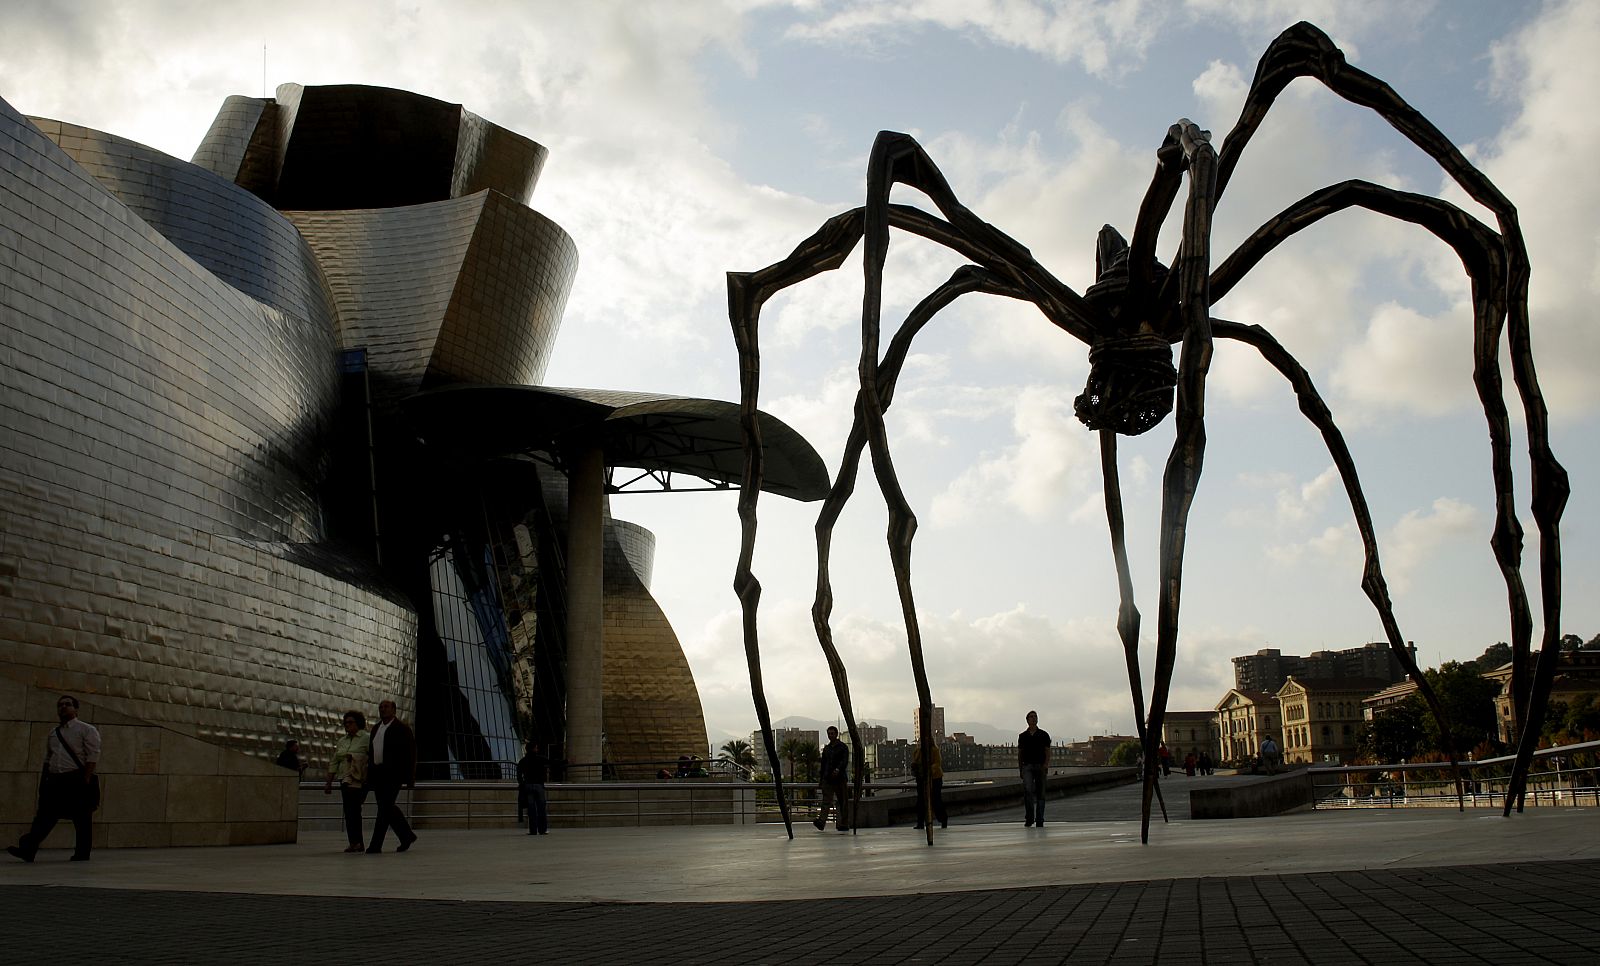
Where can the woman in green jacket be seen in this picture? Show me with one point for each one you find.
(349, 766)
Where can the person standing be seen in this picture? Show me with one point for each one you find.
(1269, 755)
(1033, 759)
(1165, 758)
(291, 758)
(68, 787)
(394, 766)
(935, 794)
(351, 755)
(835, 781)
(532, 773)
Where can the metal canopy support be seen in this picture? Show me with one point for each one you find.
(585, 610)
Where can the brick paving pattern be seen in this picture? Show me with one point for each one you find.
(1542, 912)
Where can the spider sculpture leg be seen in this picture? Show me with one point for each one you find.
(1481, 255)
(1127, 612)
(747, 291)
(967, 279)
(896, 158)
(1182, 475)
(1303, 50)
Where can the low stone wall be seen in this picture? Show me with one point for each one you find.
(1256, 799)
(158, 787)
(886, 808)
(488, 805)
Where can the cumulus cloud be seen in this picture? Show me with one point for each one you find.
(1075, 673)
(1052, 461)
(1097, 35)
(1543, 161)
(1408, 362)
(1419, 536)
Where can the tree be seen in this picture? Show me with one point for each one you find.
(789, 751)
(1126, 753)
(1468, 701)
(809, 756)
(739, 753)
(1396, 733)
(1573, 721)
(1494, 656)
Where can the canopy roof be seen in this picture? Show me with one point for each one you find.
(658, 434)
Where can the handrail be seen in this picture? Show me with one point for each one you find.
(1487, 781)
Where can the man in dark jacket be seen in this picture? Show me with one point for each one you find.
(835, 781)
(393, 766)
(532, 772)
(1033, 759)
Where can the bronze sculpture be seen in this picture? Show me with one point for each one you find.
(1136, 310)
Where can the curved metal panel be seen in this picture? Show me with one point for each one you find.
(161, 437)
(232, 233)
(354, 146)
(467, 290)
(242, 144)
(651, 709)
(700, 437)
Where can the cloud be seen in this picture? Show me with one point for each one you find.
(1346, 21)
(1408, 362)
(1100, 36)
(1543, 161)
(990, 668)
(1052, 463)
(1418, 536)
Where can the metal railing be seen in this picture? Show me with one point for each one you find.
(493, 804)
(1566, 775)
(502, 769)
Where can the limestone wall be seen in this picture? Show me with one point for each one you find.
(158, 786)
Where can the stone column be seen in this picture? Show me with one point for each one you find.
(585, 609)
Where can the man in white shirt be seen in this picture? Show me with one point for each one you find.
(67, 789)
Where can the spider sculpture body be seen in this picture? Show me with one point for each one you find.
(1130, 319)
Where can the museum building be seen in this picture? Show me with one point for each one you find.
(274, 442)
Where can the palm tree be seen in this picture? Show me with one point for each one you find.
(808, 755)
(789, 751)
(740, 754)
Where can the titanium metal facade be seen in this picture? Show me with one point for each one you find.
(216, 513)
(165, 352)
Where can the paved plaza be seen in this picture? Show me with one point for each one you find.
(1429, 886)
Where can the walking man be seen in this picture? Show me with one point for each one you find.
(68, 787)
(1033, 758)
(394, 766)
(835, 781)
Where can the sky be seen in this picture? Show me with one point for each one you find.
(689, 139)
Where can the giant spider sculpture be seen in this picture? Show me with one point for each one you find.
(1136, 310)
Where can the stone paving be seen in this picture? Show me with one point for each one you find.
(1539, 912)
(1369, 887)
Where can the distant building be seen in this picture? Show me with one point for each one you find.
(872, 734)
(1322, 716)
(779, 736)
(890, 759)
(1091, 753)
(1577, 674)
(1244, 718)
(938, 723)
(1390, 696)
(1268, 669)
(1191, 731)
